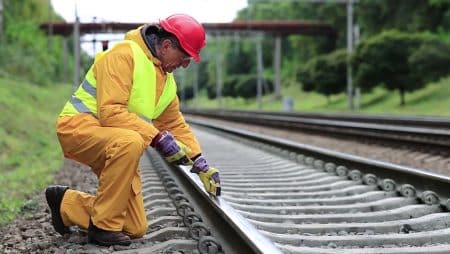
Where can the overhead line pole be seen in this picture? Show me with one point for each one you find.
(1, 20)
(259, 66)
(219, 79)
(196, 70)
(277, 67)
(349, 53)
(76, 51)
(50, 27)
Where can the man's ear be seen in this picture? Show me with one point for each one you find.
(166, 43)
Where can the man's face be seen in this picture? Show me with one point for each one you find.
(173, 57)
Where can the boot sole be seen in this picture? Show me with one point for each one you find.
(107, 244)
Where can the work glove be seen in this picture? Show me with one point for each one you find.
(208, 175)
(172, 150)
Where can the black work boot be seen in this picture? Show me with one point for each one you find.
(106, 238)
(54, 195)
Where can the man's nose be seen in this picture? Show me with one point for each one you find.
(185, 63)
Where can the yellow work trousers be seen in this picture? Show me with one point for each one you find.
(113, 154)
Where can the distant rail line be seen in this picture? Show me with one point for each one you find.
(417, 131)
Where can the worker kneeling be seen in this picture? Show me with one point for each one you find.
(126, 103)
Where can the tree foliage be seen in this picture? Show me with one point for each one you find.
(431, 60)
(383, 59)
(325, 74)
(26, 52)
(331, 73)
(297, 48)
(242, 85)
(405, 15)
(372, 17)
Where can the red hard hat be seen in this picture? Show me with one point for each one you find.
(188, 31)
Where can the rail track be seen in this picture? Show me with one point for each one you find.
(279, 196)
(309, 202)
(411, 121)
(398, 147)
(300, 199)
(418, 131)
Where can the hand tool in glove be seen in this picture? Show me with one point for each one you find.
(208, 175)
(171, 149)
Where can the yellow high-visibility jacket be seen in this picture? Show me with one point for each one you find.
(116, 91)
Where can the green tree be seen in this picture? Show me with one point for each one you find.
(325, 74)
(406, 15)
(383, 59)
(246, 86)
(185, 93)
(330, 76)
(431, 60)
(372, 17)
(295, 48)
(306, 75)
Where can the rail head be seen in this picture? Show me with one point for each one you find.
(256, 241)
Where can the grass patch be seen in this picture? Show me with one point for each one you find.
(29, 149)
(433, 100)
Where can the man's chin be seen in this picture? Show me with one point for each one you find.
(168, 70)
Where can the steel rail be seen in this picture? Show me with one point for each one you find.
(416, 121)
(400, 129)
(421, 179)
(252, 241)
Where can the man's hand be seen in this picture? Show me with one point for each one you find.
(172, 150)
(208, 175)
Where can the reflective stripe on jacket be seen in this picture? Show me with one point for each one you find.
(143, 91)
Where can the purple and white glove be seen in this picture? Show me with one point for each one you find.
(208, 175)
(171, 149)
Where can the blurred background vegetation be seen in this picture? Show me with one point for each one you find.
(26, 52)
(404, 46)
(31, 71)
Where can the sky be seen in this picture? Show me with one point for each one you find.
(145, 11)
